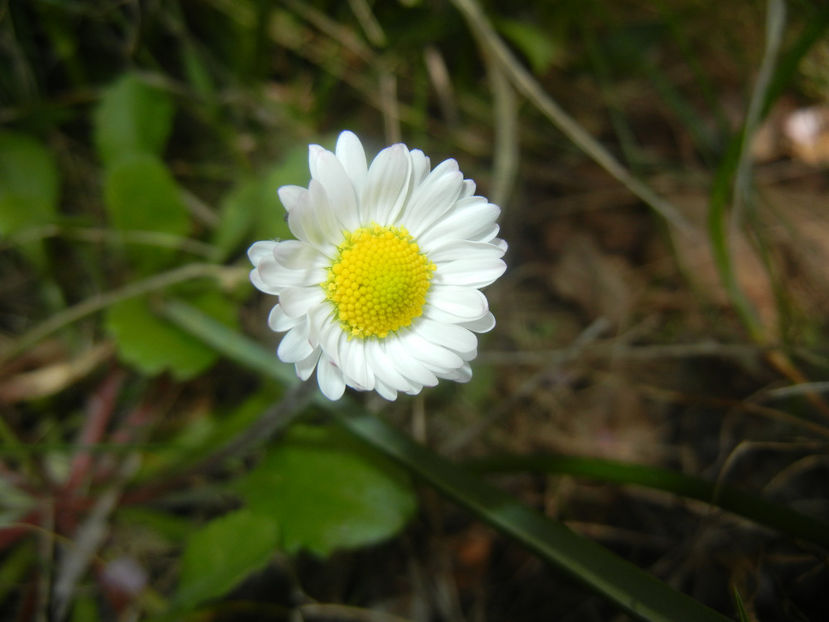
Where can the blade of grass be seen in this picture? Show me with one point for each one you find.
(813, 31)
(627, 585)
(229, 342)
(622, 582)
(741, 610)
(102, 301)
(736, 168)
(750, 506)
(532, 90)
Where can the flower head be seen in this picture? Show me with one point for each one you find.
(381, 289)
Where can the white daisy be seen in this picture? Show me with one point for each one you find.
(380, 290)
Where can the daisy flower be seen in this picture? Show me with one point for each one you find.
(380, 290)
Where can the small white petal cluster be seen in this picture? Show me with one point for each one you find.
(452, 227)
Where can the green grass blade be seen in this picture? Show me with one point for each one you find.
(735, 165)
(750, 506)
(630, 587)
(229, 342)
(787, 66)
(741, 610)
(622, 582)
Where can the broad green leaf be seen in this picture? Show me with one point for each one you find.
(221, 554)
(252, 211)
(132, 118)
(141, 195)
(28, 183)
(328, 492)
(152, 344)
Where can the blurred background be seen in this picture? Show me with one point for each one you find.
(662, 171)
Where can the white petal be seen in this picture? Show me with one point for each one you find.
(306, 366)
(330, 379)
(461, 374)
(384, 368)
(294, 346)
(324, 216)
(351, 155)
(451, 336)
(471, 219)
(385, 391)
(406, 364)
(464, 303)
(296, 255)
(330, 333)
(470, 273)
(450, 250)
(354, 363)
(261, 250)
(262, 285)
(387, 185)
(297, 301)
(303, 224)
(434, 357)
(279, 322)
(291, 196)
(420, 166)
(339, 190)
(468, 188)
(414, 390)
(435, 195)
(481, 325)
(280, 277)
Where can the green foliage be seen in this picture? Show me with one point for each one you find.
(221, 554)
(252, 207)
(85, 609)
(152, 345)
(132, 118)
(141, 194)
(328, 492)
(28, 183)
(542, 48)
(630, 587)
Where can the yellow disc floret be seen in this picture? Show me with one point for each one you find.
(378, 281)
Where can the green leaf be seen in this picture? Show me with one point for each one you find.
(542, 49)
(132, 118)
(28, 183)
(141, 195)
(152, 345)
(219, 556)
(85, 609)
(328, 492)
(252, 211)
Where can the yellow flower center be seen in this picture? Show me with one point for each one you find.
(378, 281)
